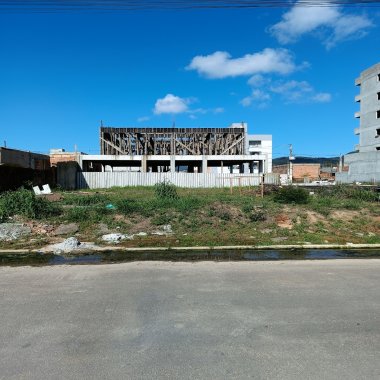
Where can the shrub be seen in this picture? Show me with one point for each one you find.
(24, 202)
(355, 192)
(257, 216)
(165, 190)
(291, 194)
(349, 192)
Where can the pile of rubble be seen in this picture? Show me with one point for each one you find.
(13, 231)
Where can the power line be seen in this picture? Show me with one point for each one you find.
(135, 5)
(317, 155)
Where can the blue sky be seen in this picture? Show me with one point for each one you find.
(287, 72)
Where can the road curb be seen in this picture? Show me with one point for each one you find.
(203, 248)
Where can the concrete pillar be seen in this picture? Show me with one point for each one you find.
(204, 164)
(261, 167)
(144, 167)
(172, 163)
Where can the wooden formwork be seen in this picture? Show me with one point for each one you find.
(172, 141)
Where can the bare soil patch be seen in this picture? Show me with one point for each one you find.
(345, 215)
(284, 221)
(313, 217)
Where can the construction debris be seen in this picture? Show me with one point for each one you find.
(69, 245)
(45, 190)
(13, 231)
(116, 238)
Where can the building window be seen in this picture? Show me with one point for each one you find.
(378, 114)
(255, 143)
(378, 96)
(378, 77)
(378, 148)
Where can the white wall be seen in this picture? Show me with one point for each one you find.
(264, 147)
(100, 180)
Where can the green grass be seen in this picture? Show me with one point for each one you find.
(24, 203)
(85, 200)
(207, 216)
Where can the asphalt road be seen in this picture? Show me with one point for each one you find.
(257, 320)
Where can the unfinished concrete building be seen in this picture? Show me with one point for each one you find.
(364, 162)
(191, 150)
(172, 141)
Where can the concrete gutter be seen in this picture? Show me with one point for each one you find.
(203, 248)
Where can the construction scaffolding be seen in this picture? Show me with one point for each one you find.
(172, 141)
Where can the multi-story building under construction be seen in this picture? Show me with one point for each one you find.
(181, 149)
(364, 162)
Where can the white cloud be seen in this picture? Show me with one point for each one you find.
(197, 111)
(256, 95)
(221, 65)
(322, 97)
(258, 80)
(299, 92)
(171, 104)
(300, 20)
(203, 111)
(348, 27)
(291, 91)
(283, 87)
(335, 24)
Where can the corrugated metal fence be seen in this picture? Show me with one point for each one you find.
(101, 180)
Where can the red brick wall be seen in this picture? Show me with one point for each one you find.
(301, 171)
(62, 157)
(280, 169)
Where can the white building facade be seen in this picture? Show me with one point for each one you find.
(261, 145)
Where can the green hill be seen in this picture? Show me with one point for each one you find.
(330, 161)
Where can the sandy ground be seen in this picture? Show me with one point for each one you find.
(205, 320)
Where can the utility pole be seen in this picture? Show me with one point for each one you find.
(291, 158)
